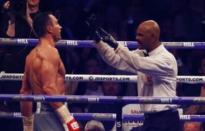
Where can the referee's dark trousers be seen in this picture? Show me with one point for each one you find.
(162, 121)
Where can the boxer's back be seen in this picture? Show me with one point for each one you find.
(41, 56)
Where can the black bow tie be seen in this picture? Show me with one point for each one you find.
(146, 54)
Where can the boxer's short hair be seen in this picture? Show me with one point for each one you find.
(40, 23)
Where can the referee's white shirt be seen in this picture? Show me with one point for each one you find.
(156, 73)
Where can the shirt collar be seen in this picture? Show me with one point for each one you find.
(156, 50)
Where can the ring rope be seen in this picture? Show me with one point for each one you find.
(108, 116)
(140, 117)
(99, 78)
(89, 43)
(79, 116)
(103, 99)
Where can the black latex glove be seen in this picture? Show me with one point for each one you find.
(93, 28)
(98, 33)
(91, 23)
(97, 36)
(108, 38)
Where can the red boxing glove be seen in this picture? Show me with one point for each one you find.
(73, 125)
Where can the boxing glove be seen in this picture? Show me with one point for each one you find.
(67, 119)
(28, 123)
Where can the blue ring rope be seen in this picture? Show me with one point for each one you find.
(103, 99)
(107, 116)
(140, 117)
(89, 43)
(79, 116)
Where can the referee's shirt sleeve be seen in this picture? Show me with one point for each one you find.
(110, 56)
(162, 64)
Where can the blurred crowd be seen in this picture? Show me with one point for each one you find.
(180, 20)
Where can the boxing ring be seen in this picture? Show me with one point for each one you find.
(100, 78)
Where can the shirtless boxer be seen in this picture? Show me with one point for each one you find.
(44, 74)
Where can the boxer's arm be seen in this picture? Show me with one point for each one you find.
(49, 74)
(26, 106)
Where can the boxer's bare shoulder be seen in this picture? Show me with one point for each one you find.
(40, 60)
(42, 54)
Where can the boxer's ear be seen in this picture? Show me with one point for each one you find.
(49, 28)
